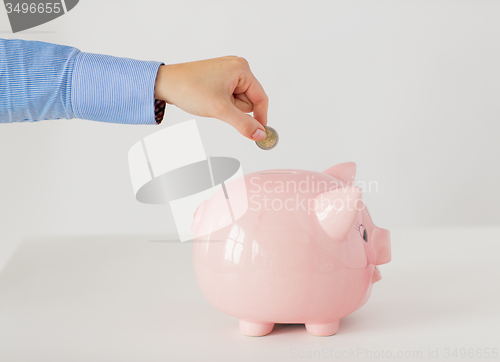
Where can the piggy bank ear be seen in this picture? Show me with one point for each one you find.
(337, 209)
(345, 172)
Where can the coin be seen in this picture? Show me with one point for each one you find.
(270, 141)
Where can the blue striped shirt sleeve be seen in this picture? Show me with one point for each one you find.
(40, 81)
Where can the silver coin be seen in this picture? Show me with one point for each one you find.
(270, 141)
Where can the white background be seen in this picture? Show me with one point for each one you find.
(409, 90)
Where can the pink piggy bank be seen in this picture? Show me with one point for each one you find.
(305, 251)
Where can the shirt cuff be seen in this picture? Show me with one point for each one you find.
(160, 110)
(116, 90)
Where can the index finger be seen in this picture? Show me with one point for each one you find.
(256, 94)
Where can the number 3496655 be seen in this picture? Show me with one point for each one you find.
(32, 8)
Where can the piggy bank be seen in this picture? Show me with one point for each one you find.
(305, 252)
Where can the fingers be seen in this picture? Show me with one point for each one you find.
(242, 102)
(258, 97)
(253, 90)
(244, 123)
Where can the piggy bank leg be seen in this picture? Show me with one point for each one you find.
(255, 329)
(326, 329)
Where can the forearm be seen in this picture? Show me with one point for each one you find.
(116, 90)
(35, 80)
(46, 81)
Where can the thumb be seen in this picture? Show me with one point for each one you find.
(244, 123)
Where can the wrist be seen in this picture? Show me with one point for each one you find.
(161, 83)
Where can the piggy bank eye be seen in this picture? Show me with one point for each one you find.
(363, 232)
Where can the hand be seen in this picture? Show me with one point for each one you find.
(222, 88)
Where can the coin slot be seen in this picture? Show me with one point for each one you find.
(276, 172)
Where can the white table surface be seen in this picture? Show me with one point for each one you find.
(129, 299)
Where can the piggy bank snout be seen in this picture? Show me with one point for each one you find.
(382, 246)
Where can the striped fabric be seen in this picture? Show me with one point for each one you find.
(40, 81)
